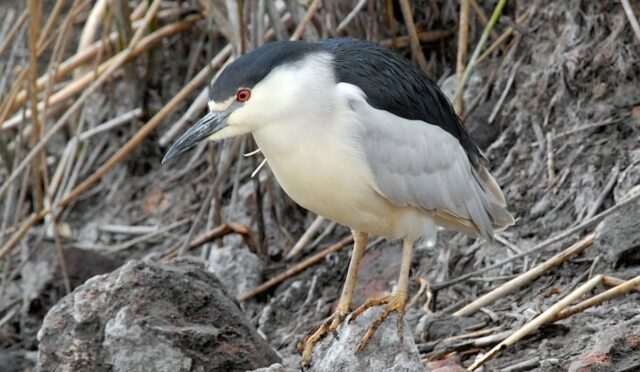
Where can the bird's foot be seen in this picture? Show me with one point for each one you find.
(330, 324)
(394, 303)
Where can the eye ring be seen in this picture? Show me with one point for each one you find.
(243, 94)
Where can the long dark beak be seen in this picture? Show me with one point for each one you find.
(208, 125)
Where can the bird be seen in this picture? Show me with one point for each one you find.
(358, 134)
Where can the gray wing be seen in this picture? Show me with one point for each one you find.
(421, 165)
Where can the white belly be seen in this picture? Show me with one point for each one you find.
(326, 175)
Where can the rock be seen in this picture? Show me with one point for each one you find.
(618, 236)
(614, 349)
(149, 316)
(239, 269)
(276, 368)
(385, 351)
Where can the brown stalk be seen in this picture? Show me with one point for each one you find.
(111, 66)
(544, 318)
(617, 291)
(526, 277)
(463, 41)
(125, 56)
(142, 133)
(53, 17)
(5, 106)
(89, 77)
(425, 37)
(416, 49)
(544, 244)
(306, 237)
(313, 8)
(87, 54)
(34, 7)
(504, 36)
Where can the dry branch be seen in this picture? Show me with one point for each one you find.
(617, 291)
(533, 325)
(306, 237)
(416, 49)
(527, 277)
(315, 259)
(313, 8)
(543, 245)
(463, 41)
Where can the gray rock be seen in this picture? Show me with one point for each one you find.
(385, 351)
(239, 269)
(276, 368)
(618, 236)
(149, 316)
(613, 349)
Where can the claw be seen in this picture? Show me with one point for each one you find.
(394, 303)
(330, 324)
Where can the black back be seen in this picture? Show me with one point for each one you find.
(393, 84)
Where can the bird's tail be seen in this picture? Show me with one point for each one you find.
(500, 216)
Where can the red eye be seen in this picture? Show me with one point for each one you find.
(243, 94)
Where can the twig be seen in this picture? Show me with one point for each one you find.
(315, 5)
(611, 182)
(212, 191)
(119, 60)
(416, 49)
(540, 320)
(306, 237)
(14, 31)
(86, 55)
(613, 281)
(425, 37)
(352, 14)
(633, 21)
(139, 239)
(505, 92)
(142, 133)
(223, 230)
(34, 26)
(527, 277)
(108, 67)
(6, 105)
(522, 366)
(113, 123)
(541, 246)
(617, 291)
(463, 41)
(551, 164)
(315, 259)
(91, 25)
(504, 36)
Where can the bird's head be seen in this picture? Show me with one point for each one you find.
(265, 86)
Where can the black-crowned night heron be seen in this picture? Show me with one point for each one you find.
(359, 135)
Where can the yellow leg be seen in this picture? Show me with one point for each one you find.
(394, 303)
(331, 324)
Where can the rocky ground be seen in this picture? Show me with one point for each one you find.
(557, 113)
